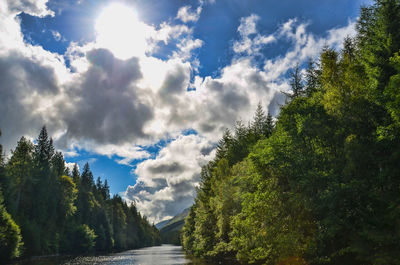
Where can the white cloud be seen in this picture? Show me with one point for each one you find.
(32, 7)
(128, 152)
(186, 47)
(305, 45)
(186, 15)
(248, 25)
(251, 42)
(166, 184)
(56, 35)
(71, 153)
(70, 166)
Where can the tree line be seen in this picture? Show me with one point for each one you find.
(320, 184)
(47, 209)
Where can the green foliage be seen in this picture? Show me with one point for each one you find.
(296, 84)
(84, 239)
(56, 212)
(67, 196)
(10, 236)
(324, 186)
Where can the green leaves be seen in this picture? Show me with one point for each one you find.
(324, 186)
(60, 213)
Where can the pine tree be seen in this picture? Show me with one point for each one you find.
(58, 164)
(99, 184)
(379, 39)
(106, 190)
(87, 181)
(224, 145)
(20, 168)
(258, 125)
(269, 125)
(43, 150)
(311, 78)
(296, 83)
(76, 175)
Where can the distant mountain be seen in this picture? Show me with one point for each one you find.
(171, 230)
(162, 224)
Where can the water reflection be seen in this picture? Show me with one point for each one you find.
(162, 255)
(165, 254)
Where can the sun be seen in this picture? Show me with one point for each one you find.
(119, 30)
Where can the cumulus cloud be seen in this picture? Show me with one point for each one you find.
(103, 103)
(28, 93)
(166, 185)
(32, 7)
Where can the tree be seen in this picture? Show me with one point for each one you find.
(188, 230)
(296, 83)
(58, 164)
(20, 170)
(379, 39)
(44, 150)
(10, 236)
(323, 188)
(87, 181)
(76, 175)
(311, 78)
(224, 145)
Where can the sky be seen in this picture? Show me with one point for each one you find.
(143, 89)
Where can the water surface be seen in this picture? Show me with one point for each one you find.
(161, 255)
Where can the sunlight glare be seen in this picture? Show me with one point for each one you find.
(119, 30)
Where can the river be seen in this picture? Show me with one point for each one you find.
(160, 255)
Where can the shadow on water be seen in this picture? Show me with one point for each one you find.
(161, 255)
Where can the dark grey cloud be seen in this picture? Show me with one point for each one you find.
(106, 106)
(207, 150)
(173, 167)
(175, 82)
(32, 7)
(24, 87)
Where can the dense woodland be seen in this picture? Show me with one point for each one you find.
(46, 209)
(320, 184)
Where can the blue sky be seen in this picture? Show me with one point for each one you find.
(217, 25)
(142, 89)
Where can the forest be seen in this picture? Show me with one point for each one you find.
(319, 184)
(46, 209)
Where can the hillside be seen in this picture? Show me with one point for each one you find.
(321, 186)
(170, 231)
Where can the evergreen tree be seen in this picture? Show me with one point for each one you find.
(379, 39)
(224, 145)
(43, 150)
(311, 78)
(87, 181)
(296, 83)
(20, 170)
(76, 175)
